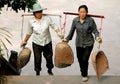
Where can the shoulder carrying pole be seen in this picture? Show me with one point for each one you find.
(97, 16)
(91, 15)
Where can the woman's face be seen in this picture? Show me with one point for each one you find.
(38, 14)
(82, 13)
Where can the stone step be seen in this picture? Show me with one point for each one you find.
(59, 79)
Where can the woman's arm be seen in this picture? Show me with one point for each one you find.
(59, 33)
(71, 32)
(96, 33)
(24, 42)
(27, 37)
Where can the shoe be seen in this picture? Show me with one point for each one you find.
(50, 72)
(37, 73)
(84, 79)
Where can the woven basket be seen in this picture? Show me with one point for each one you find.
(24, 57)
(100, 63)
(63, 55)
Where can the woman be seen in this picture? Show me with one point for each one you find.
(85, 28)
(41, 42)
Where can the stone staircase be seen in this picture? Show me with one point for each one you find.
(59, 79)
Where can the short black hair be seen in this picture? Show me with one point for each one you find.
(83, 6)
(37, 11)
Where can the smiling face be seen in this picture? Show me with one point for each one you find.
(82, 13)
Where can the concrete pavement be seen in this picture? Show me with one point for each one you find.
(75, 79)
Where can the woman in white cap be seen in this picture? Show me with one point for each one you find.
(85, 27)
(41, 41)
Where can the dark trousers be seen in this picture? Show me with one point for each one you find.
(83, 55)
(47, 53)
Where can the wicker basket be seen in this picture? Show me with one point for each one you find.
(100, 63)
(63, 55)
(24, 57)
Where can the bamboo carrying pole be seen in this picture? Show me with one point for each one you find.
(97, 16)
(67, 13)
(43, 14)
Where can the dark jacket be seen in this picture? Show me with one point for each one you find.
(84, 31)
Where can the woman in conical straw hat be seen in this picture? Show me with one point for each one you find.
(41, 41)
